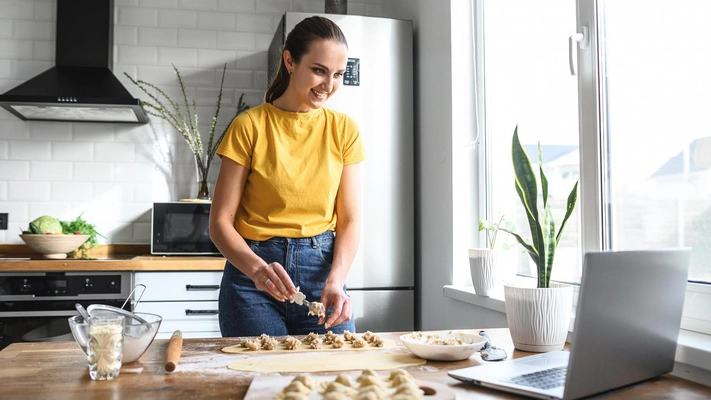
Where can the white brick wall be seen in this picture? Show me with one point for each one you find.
(112, 173)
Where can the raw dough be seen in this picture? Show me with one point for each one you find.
(318, 362)
(387, 344)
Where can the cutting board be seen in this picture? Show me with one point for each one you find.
(267, 387)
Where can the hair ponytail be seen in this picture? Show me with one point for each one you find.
(279, 83)
(298, 43)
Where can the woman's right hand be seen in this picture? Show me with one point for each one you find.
(273, 279)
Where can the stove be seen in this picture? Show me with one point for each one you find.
(35, 306)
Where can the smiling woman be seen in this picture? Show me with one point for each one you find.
(286, 211)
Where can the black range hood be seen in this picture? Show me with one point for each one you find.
(81, 85)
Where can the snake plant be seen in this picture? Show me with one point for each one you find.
(544, 238)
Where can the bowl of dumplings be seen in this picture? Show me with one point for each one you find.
(443, 345)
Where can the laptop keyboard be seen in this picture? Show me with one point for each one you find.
(546, 379)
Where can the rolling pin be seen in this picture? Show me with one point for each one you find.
(172, 353)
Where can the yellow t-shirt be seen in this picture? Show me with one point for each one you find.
(295, 162)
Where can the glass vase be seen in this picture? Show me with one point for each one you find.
(203, 190)
(203, 184)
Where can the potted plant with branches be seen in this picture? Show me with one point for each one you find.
(185, 121)
(485, 262)
(539, 317)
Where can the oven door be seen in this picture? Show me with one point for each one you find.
(26, 323)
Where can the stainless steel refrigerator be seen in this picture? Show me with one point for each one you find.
(377, 92)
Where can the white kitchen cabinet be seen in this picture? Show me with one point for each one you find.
(186, 300)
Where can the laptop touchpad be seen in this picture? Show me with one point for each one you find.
(548, 359)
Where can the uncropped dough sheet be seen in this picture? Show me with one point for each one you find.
(319, 362)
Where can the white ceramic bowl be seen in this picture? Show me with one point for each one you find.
(137, 337)
(54, 246)
(436, 345)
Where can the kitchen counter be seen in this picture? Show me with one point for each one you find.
(16, 258)
(59, 370)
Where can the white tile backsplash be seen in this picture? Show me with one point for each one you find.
(139, 55)
(73, 151)
(93, 172)
(178, 19)
(179, 56)
(33, 30)
(160, 3)
(198, 4)
(45, 10)
(117, 152)
(5, 28)
(13, 128)
(197, 38)
(255, 23)
(54, 131)
(235, 40)
(61, 210)
(144, 16)
(157, 36)
(43, 50)
(70, 191)
(27, 150)
(113, 172)
(142, 231)
(93, 132)
(53, 171)
(11, 170)
(16, 49)
(113, 191)
(125, 35)
(274, 6)
(240, 6)
(215, 58)
(132, 172)
(22, 69)
(28, 191)
(17, 9)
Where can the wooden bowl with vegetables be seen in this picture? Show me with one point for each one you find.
(55, 239)
(54, 245)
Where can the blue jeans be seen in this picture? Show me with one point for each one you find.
(245, 310)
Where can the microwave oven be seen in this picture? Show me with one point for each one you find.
(181, 228)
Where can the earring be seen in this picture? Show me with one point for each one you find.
(290, 71)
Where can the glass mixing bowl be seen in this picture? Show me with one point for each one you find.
(136, 336)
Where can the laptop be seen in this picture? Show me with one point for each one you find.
(626, 329)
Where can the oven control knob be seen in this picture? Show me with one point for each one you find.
(87, 285)
(25, 286)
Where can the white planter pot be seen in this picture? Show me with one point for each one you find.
(483, 268)
(539, 318)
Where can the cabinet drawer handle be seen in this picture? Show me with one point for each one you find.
(202, 287)
(198, 312)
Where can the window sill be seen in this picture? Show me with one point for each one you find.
(693, 348)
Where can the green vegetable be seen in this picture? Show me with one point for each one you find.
(80, 226)
(45, 224)
(34, 229)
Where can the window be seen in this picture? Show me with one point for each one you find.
(631, 125)
(657, 133)
(527, 84)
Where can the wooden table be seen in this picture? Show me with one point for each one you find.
(58, 370)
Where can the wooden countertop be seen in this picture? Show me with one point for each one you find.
(19, 258)
(58, 370)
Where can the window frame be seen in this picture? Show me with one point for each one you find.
(592, 139)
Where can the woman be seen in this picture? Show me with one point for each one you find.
(286, 208)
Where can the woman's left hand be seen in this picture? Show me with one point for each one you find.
(334, 296)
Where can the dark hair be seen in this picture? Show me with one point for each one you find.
(298, 42)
